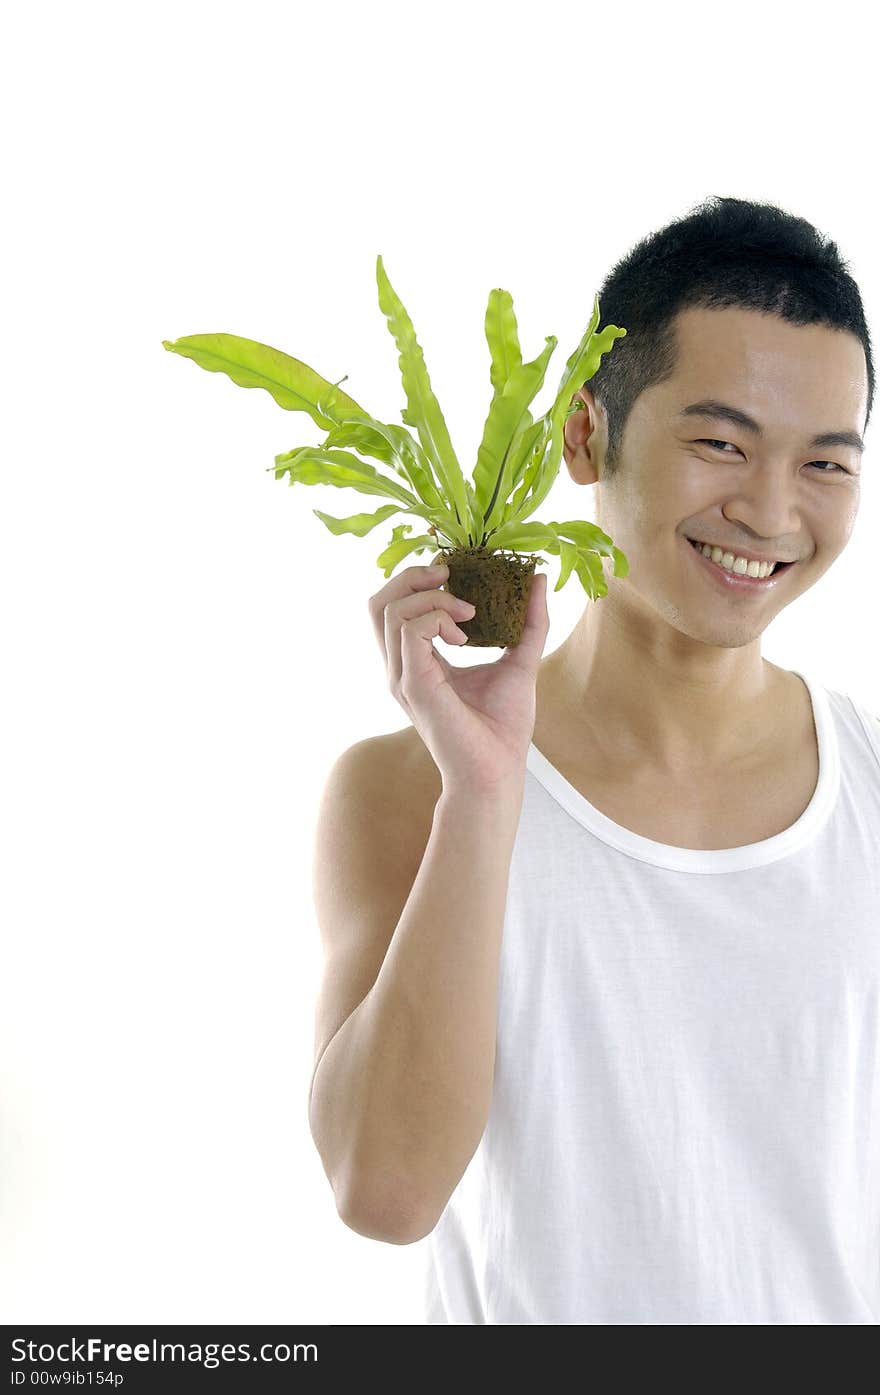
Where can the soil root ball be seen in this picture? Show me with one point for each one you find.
(498, 585)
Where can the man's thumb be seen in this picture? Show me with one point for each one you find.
(537, 623)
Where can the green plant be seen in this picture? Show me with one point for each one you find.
(517, 461)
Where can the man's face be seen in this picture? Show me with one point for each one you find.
(688, 476)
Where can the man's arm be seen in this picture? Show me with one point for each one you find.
(411, 904)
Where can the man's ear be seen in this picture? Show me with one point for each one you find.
(570, 433)
(579, 423)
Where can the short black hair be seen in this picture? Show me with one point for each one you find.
(727, 252)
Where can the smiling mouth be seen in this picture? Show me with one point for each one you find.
(726, 572)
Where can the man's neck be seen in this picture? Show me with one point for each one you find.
(643, 710)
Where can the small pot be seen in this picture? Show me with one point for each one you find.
(498, 585)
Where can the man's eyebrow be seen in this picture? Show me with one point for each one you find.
(709, 407)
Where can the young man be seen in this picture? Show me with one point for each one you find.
(611, 1040)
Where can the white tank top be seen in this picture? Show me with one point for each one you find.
(685, 1117)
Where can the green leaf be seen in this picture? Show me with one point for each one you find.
(580, 551)
(472, 498)
(502, 337)
(520, 446)
(525, 537)
(567, 383)
(394, 446)
(591, 576)
(358, 523)
(590, 537)
(526, 465)
(493, 472)
(314, 465)
(422, 409)
(621, 563)
(401, 547)
(568, 557)
(311, 465)
(580, 366)
(294, 385)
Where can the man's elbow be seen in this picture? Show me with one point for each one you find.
(392, 1222)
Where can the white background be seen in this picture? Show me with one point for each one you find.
(186, 649)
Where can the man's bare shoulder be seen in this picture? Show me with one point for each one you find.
(410, 769)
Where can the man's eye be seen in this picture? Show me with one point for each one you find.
(714, 444)
(719, 445)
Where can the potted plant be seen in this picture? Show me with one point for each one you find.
(477, 527)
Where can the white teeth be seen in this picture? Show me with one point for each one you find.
(738, 565)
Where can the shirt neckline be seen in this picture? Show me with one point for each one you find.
(710, 859)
